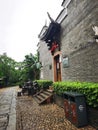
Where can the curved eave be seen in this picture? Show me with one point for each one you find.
(52, 30)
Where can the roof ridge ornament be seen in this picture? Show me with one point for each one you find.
(51, 19)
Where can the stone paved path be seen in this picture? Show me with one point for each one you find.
(26, 114)
(31, 116)
(8, 108)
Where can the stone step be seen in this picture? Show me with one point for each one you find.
(40, 98)
(37, 100)
(43, 96)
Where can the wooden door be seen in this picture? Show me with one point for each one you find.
(57, 68)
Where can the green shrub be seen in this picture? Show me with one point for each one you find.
(90, 90)
(44, 84)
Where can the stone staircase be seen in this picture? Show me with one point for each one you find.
(44, 96)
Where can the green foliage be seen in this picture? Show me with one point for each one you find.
(12, 72)
(90, 90)
(8, 71)
(44, 84)
(29, 68)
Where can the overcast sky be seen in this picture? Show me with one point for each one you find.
(20, 23)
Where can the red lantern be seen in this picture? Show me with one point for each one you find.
(54, 46)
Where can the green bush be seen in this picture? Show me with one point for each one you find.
(44, 84)
(90, 90)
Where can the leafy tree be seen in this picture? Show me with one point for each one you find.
(13, 72)
(29, 69)
(8, 71)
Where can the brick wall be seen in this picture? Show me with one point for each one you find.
(46, 59)
(78, 43)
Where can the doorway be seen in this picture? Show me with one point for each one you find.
(57, 68)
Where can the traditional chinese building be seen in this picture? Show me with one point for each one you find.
(68, 47)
